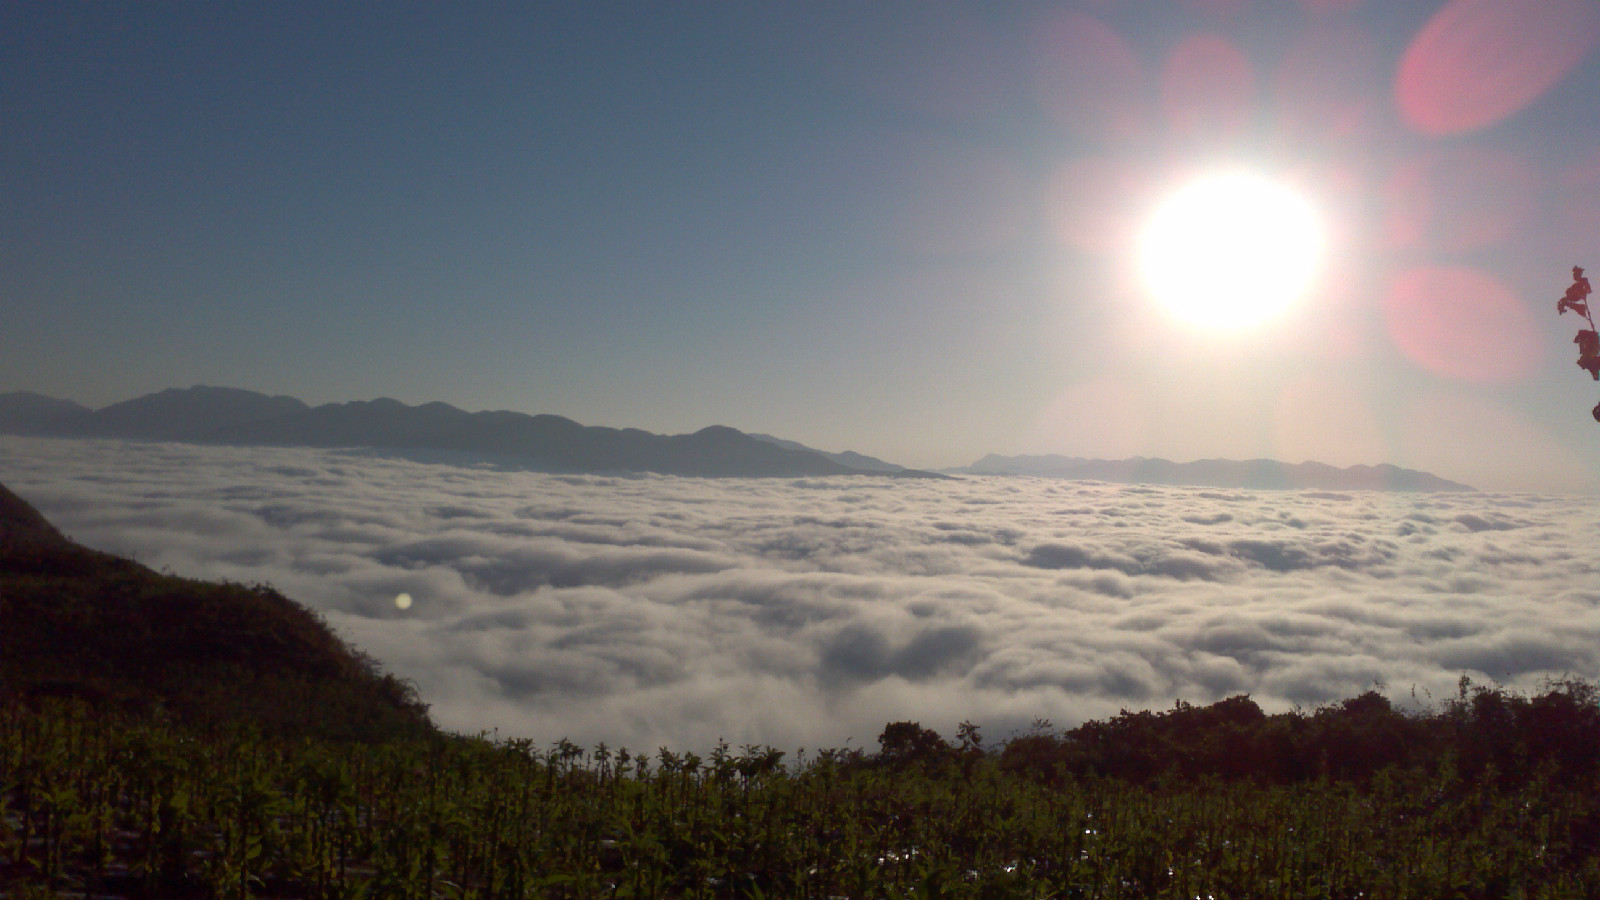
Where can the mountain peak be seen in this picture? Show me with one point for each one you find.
(192, 413)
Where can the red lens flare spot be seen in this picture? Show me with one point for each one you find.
(1208, 88)
(1461, 323)
(1478, 61)
(1089, 79)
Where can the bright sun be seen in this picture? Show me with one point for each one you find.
(1229, 251)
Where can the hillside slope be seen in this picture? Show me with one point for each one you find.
(78, 622)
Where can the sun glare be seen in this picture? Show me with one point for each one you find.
(1230, 251)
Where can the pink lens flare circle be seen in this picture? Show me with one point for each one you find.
(1477, 62)
(1461, 323)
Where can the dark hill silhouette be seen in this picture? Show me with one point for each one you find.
(849, 457)
(25, 412)
(78, 622)
(192, 414)
(232, 416)
(1255, 474)
(555, 443)
(854, 460)
(22, 525)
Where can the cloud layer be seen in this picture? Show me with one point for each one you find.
(647, 611)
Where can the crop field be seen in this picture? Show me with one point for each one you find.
(136, 806)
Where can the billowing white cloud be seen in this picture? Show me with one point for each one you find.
(650, 610)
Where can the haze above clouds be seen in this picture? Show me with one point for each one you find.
(652, 610)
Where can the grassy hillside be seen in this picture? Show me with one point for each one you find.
(77, 622)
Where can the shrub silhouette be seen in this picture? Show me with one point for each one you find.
(1481, 732)
(904, 743)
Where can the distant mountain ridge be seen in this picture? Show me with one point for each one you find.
(214, 415)
(217, 415)
(846, 458)
(1258, 474)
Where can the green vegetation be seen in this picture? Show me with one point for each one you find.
(1493, 795)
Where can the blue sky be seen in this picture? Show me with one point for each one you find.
(900, 228)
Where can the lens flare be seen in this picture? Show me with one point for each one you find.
(1478, 61)
(1461, 323)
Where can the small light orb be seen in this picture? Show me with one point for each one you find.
(403, 601)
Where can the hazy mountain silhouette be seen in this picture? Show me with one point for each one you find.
(81, 623)
(553, 443)
(229, 415)
(193, 413)
(25, 412)
(1260, 474)
(850, 458)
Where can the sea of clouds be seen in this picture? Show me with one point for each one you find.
(651, 610)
